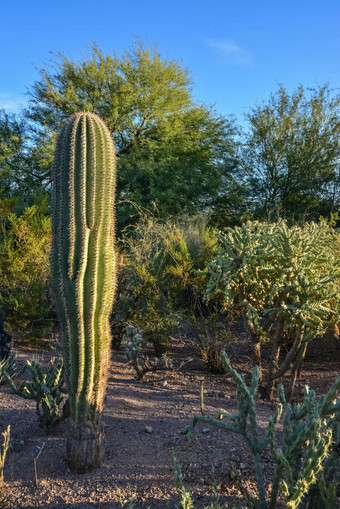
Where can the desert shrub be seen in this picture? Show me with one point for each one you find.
(46, 388)
(211, 336)
(305, 459)
(142, 298)
(25, 295)
(191, 246)
(284, 283)
(159, 282)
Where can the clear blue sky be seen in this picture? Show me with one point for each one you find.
(237, 50)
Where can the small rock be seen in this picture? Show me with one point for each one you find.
(206, 430)
(148, 429)
(242, 466)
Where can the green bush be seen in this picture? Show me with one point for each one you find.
(25, 295)
(285, 284)
(159, 282)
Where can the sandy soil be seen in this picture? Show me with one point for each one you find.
(142, 421)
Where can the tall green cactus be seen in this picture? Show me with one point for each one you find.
(83, 268)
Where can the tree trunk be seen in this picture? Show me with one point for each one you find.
(255, 340)
(270, 385)
(257, 356)
(85, 445)
(275, 356)
(296, 370)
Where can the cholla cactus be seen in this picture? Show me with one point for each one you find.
(305, 458)
(133, 344)
(307, 443)
(284, 282)
(46, 388)
(83, 268)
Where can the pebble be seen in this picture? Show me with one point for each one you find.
(148, 429)
(223, 395)
(206, 430)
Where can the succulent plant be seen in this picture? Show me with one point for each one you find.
(83, 270)
(46, 387)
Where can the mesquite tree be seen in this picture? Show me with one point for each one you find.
(83, 265)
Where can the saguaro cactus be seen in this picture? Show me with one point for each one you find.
(83, 268)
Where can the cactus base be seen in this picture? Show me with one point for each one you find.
(85, 446)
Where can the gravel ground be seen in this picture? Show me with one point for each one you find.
(142, 421)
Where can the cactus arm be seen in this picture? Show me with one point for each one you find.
(215, 422)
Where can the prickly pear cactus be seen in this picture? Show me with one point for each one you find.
(83, 268)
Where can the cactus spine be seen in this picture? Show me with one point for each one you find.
(83, 267)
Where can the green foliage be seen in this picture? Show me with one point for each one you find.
(46, 388)
(284, 281)
(185, 497)
(24, 166)
(332, 220)
(301, 459)
(25, 294)
(11, 152)
(83, 257)
(186, 501)
(123, 501)
(291, 152)
(142, 296)
(159, 280)
(172, 152)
